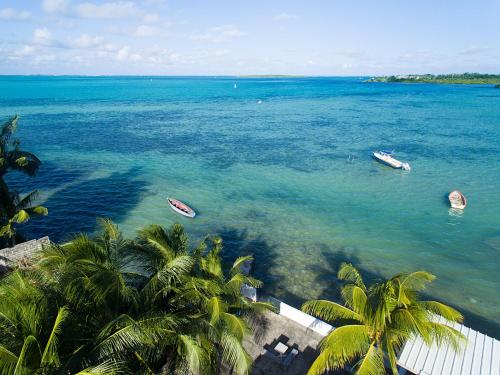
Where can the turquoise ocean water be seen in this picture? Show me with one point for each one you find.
(290, 180)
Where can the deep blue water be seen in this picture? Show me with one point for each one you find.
(290, 180)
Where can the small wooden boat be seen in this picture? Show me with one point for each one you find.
(386, 158)
(181, 208)
(457, 200)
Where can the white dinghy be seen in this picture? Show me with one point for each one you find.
(457, 200)
(181, 208)
(386, 158)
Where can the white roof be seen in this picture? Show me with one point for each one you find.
(480, 355)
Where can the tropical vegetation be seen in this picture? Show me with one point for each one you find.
(375, 321)
(14, 208)
(465, 78)
(105, 304)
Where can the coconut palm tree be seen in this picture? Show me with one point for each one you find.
(13, 209)
(37, 332)
(11, 155)
(193, 285)
(217, 298)
(150, 304)
(17, 210)
(376, 321)
(99, 272)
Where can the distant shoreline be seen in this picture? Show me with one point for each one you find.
(459, 79)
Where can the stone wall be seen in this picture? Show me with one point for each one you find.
(21, 251)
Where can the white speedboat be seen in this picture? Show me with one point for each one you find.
(181, 208)
(457, 200)
(386, 158)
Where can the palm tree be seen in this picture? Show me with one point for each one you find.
(14, 210)
(99, 272)
(17, 210)
(205, 325)
(156, 333)
(37, 333)
(216, 297)
(150, 304)
(376, 321)
(30, 326)
(11, 155)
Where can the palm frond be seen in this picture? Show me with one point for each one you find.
(349, 273)
(27, 200)
(21, 216)
(372, 363)
(109, 367)
(8, 128)
(109, 229)
(235, 325)
(408, 284)
(38, 210)
(192, 354)
(8, 361)
(29, 350)
(347, 342)
(240, 261)
(356, 299)
(234, 355)
(328, 360)
(50, 354)
(330, 311)
(445, 311)
(440, 334)
(215, 307)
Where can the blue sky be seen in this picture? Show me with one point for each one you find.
(189, 37)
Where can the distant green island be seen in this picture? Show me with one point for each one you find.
(464, 79)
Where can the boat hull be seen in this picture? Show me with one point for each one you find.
(457, 200)
(181, 208)
(390, 161)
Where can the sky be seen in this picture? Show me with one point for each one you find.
(237, 37)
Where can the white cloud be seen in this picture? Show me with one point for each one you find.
(473, 50)
(117, 9)
(87, 41)
(55, 6)
(151, 18)
(221, 52)
(219, 34)
(123, 53)
(421, 57)
(42, 36)
(42, 59)
(13, 14)
(145, 31)
(285, 17)
(26, 50)
(352, 53)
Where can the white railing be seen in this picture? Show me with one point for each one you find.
(300, 317)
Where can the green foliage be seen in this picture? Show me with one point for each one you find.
(109, 305)
(465, 78)
(376, 321)
(15, 210)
